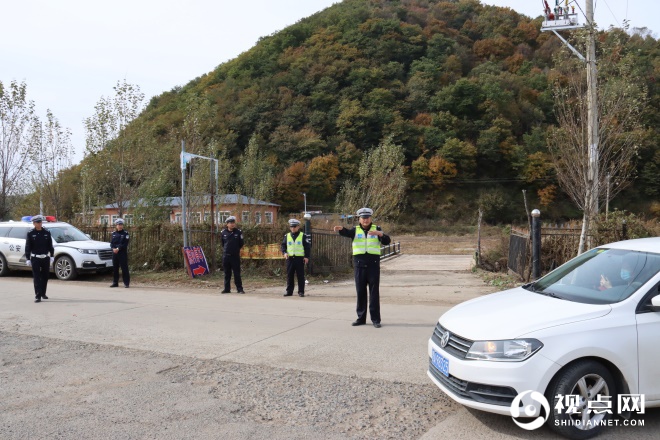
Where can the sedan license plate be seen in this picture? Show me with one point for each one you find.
(440, 362)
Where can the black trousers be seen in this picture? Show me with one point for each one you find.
(232, 263)
(40, 274)
(367, 274)
(295, 266)
(120, 259)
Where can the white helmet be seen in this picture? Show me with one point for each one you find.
(230, 219)
(119, 221)
(294, 222)
(365, 212)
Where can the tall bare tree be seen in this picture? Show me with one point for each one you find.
(50, 156)
(621, 100)
(110, 143)
(17, 123)
(382, 183)
(255, 176)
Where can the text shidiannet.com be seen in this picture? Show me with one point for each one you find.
(595, 423)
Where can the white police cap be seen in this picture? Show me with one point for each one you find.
(365, 212)
(230, 219)
(294, 222)
(119, 221)
(38, 218)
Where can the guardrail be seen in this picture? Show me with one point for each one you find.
(390, 249)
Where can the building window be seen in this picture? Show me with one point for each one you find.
(195, 217)
(114, 217)
(223, 216)
(177, 218)
(257, 218)
(245, 217)
(105, 219)
(128, 219)
(269, 218)
(207, 217)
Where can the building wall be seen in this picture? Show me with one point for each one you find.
(264, 215)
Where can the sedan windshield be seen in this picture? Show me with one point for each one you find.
(599, 276)
(65, 234)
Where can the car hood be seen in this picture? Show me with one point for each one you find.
(85, 244)
(515, 313)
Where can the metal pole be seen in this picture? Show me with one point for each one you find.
(607, 198)
(536, 244)
(213, 265)
(592, 109)
(183, 193)
(308, 234)
(305, 197)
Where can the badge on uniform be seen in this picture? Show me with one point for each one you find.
(289, 242)
(360, 235)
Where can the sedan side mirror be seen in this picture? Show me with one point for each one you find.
(655, 303)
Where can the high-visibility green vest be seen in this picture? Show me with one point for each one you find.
(365, 244)
(295, 247)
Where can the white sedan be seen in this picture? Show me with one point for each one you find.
(577, 349)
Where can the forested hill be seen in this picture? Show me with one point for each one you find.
(462, 86)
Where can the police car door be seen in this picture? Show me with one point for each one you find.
(15, 246)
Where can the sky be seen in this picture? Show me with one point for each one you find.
(70, 53)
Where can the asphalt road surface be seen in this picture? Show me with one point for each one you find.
(154, 363)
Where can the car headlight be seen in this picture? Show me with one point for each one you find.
(87, 251)
(512, 350)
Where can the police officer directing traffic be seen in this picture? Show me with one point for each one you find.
(296, 250)
(38, 249)
(119, 245)
(232, 242)
(367, 239)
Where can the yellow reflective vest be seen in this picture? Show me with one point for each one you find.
(295, 247)
(365, 244)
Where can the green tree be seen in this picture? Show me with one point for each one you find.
(381, 185)
(17, 125)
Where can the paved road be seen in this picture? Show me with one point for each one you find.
(146, 339)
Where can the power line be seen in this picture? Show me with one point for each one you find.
(608, 7)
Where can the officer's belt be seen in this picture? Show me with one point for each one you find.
(40, 256)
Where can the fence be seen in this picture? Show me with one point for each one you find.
(558, 245)
(159, 246)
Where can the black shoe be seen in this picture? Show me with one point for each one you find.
(38, 300)
(241, 291)
(225, 291)
(125, 287)
(301, 294)
(288, 294)
(44, 297)
(114, 285)
(377, 324)
(358, 322)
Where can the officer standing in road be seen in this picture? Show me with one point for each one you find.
(38, 248)
(296, 250)
(367, 239)
(232, 242)
(119, 245)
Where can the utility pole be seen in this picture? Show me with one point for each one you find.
(592, 108)
(183, 193)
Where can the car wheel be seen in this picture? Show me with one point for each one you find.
(65, 268)
(4, 269)
(594, 387)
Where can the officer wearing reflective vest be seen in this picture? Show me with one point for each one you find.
(39, 252)
(296, 250)
(367, 240)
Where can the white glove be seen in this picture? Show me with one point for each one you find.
(28, 263)
(52, 260)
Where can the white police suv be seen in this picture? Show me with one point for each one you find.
(75, 252)
(582, 342)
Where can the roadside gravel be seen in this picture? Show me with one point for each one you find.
(56, 389)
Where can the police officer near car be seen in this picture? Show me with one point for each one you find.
(232, 242)
(119, 245)
(296, 250)
(39, 253)
(367, 240)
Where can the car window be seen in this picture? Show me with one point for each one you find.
(18, 233)
(600, 276)
(65, 234)
(4, 231)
